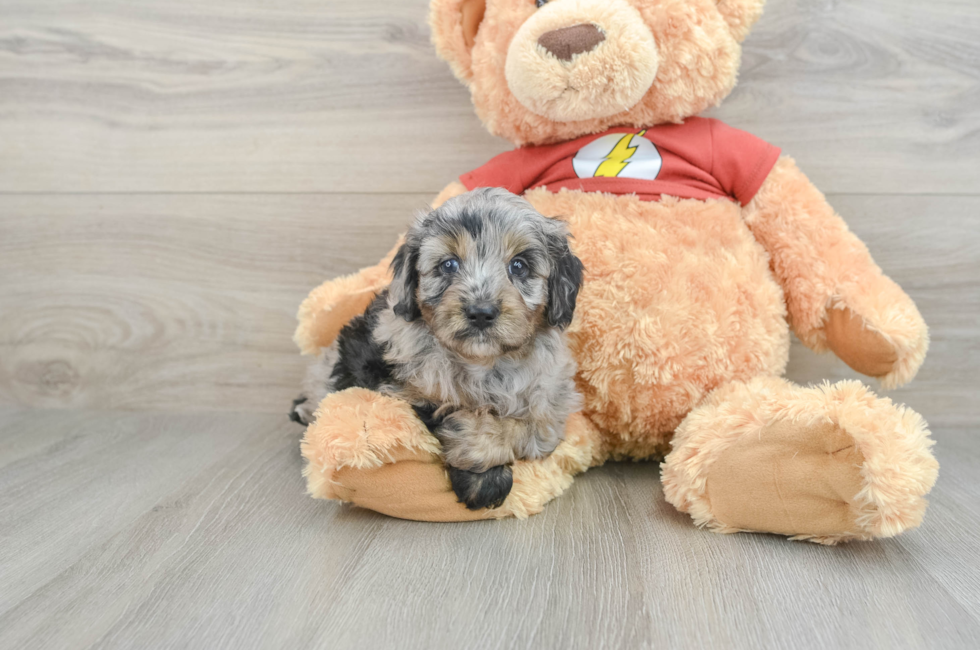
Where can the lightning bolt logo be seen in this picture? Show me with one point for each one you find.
(617, 159)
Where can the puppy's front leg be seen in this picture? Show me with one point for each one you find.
(478, 453)
(475, 440)
(534, 440)
(479, 448)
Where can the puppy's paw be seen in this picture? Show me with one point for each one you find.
(482, 490)
(302, 411)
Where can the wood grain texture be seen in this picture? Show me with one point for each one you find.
(175, 176)
(185, 302)
(871, 96)
(172, 302)
(205, 540)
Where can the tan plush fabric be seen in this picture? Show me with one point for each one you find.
(682, 326)
(678, 298)
(789, 479)
(413, 486)
(698, 59)
(648, 370)
(741, 15)
(860, 347)
(823, 265)
(471, 14)
(621, 66)
(372, 451)
(773, 438)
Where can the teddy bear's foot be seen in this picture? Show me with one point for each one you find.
(826, 464)
(372, 451)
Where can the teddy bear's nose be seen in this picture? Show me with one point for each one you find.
(566, 42)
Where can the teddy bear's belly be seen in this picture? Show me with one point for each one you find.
(678, 299)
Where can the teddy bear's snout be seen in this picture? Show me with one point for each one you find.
(565, 43)
(582, 59)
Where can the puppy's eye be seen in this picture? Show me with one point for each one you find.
(450, 266)
(518, 268)
(540, 3)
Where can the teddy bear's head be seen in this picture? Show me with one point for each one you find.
(550, 70)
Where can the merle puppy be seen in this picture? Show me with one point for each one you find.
(471, 334)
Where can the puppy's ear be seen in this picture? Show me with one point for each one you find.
(564, 282)
(405, 282)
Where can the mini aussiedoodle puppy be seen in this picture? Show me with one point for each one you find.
(470, 333)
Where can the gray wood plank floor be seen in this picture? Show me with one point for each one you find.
(176, 175)
(163, 530)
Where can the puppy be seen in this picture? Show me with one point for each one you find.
(470, 333)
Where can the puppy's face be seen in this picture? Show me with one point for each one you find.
(486, 272)
(482, 283)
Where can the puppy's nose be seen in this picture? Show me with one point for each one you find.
(481, 316)
(566, 42)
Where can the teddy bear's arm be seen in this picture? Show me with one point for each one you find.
(331, 305)
(837, 297)
(334, 303)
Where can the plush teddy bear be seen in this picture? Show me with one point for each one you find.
(703, 248)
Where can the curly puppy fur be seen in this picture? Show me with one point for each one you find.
(471, 334)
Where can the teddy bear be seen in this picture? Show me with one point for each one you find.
(704, 248)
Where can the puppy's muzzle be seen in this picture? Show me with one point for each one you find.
(481, 316)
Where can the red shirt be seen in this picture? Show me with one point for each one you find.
(699, 159)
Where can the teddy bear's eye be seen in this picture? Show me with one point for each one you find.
(540, 3)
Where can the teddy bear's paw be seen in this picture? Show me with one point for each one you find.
(888, 342)
(373, 451)
(826, 464)
(863, 349)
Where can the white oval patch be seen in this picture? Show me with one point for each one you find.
(619, 155)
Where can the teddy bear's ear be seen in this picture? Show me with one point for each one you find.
(740, 15)
(454, 26)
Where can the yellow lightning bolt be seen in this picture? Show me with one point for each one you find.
(619, 157)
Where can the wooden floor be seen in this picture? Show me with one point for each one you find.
(175, 175)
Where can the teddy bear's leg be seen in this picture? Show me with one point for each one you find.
(371, 450)
(827, 463)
